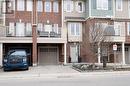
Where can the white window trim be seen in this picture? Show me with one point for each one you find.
(21, 4)
(101, 4)
(83, 7)
(56, 28)
(48, 27)
(45, 8)
(11, 30)
(71, 5)
(41, 4)
(117, 6)
(40, 27)
(18, 32)
(128, 29)
(129, 8)
(116, 25)
(75, 33)
(28, 28)
(56, 7)
(28, 3)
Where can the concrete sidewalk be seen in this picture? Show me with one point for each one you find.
(39, 71)
(58, 71)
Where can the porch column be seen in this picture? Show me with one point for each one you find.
(1, 53)
(123, 53)
(65, 59)
(99, 54)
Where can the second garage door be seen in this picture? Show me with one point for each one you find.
(48, 56)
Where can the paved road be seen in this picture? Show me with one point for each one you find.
(92, 80)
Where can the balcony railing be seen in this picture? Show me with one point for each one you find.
(51, 33)
(24, 32)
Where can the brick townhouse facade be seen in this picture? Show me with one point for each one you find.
(57, 31)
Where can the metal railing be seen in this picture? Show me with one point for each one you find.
(52, 33)
(14, 32)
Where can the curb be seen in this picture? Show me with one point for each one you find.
(63, 75)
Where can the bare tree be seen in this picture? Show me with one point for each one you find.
(96, 37)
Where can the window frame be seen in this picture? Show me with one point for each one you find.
(56, 6)
(73, 31)
(117, 29)
(22, 8)
(39, 3)
(28, 28)
(70, 3)
(11, 30)
(83, 6)
(128, 28)
(100, 5)
(117, 3)
(28, 3)
(46, 8)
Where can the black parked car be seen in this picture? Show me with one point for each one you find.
(15, 59)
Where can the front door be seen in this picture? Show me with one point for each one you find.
(74, 53)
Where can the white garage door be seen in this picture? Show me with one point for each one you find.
(48, 56)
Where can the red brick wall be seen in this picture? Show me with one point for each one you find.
(26, 16)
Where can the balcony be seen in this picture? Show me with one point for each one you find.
(24, 35)
(113, 34)
(49, 33)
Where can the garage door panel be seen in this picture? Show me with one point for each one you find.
(48, 56)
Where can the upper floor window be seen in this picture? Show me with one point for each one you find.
(80, 6)
(68, 6)
(40, 27)
(119, 5)
(47, 6)
(74, 28)
(129, 7)
(55, 6)
(28, 29)
(117, 28)
(128, 28)
(20, 5)
(11, 30)
(29, 5)
(55, 28)
(102, 4)
(39, 6)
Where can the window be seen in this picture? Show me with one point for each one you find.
(20, 5)
(128, 28)
(20, 29)
(55, 28)
(117, 27)
(74, 28)
(68, 6)
(47, 6)
(39, 6)
(29, 5)
(40, 27)
(80, 6)
(129, 7)
(11, 30)
(102, 4)
(119, 5)
(48, 27)
(55, 6)
(28, 29)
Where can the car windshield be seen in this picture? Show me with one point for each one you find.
(17, 53)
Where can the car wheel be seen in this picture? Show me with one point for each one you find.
(5, 70)
(27, 68)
